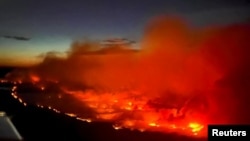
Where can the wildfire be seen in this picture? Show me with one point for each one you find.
(130, 110)
(173, 83)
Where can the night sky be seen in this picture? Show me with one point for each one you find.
(29, 28)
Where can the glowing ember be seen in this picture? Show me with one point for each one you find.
(117, 127)
(87, 120)
(35, 78)
(153, 124)
(42, 88)
(196, 127)
(70, 114)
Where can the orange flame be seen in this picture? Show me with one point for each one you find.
(130, 110)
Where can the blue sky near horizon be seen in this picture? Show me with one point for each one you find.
(53, 25)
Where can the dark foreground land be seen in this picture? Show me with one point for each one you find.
(37, 124)
(4, 70)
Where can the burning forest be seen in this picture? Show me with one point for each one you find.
(180, 79)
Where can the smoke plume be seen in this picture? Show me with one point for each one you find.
(206, 70)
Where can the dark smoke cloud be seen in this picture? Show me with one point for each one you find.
(212, 63)
(228, 48)
(16, 38)
(82, 61)
(118, 41)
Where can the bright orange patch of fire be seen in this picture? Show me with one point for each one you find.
(135, 112)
